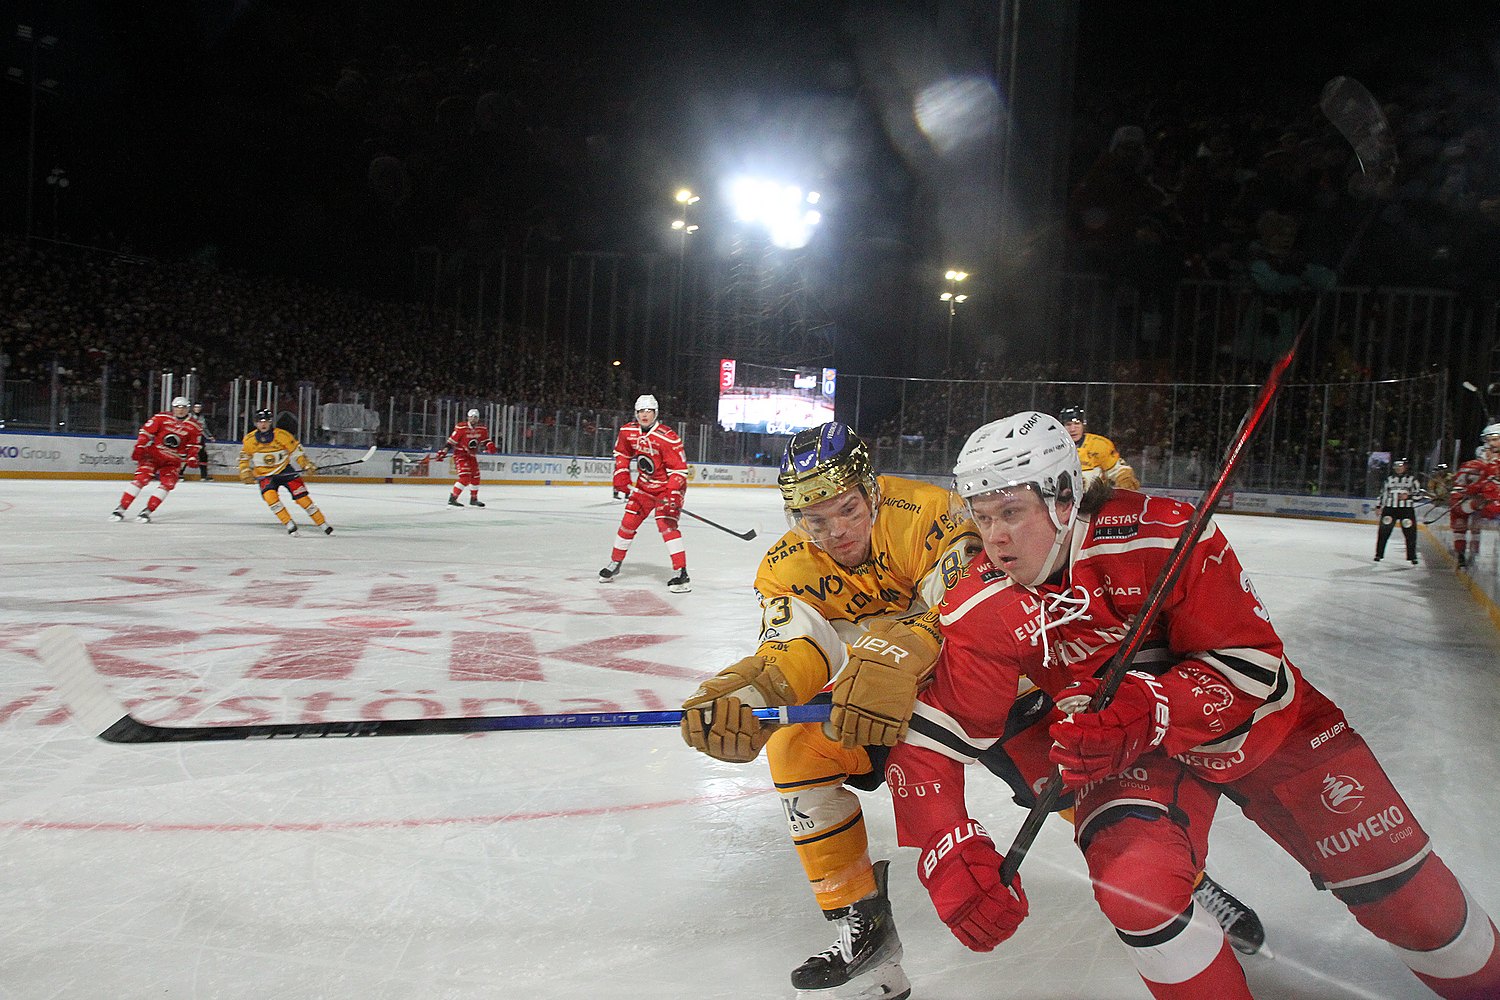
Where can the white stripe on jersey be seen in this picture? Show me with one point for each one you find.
(961, 746)
(980, 596)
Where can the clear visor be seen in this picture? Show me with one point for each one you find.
(1011, 503)
(830, 524)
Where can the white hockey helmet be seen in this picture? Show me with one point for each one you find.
(1491, 433)
(473, 414)
(1030, 450)
(646, 402)
(180, 401)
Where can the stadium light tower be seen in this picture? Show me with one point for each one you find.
(683, 227)
(953, 297)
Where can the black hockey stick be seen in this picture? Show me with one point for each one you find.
(101, 714)
(746, 535)
(1353, 111)
(1440, 507)
(339, 465)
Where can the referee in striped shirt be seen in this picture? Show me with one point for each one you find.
(1398, 505)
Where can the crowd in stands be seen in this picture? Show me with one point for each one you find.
(1188, 184)
(86, 311)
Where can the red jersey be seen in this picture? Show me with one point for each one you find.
(1476, 487)
(467, 440)
(660, 463)
(165, 440)
(1212, 648)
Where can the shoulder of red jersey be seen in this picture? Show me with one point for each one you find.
(1128, 515)
(978, 583)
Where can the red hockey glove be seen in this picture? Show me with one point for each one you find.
(670, 506)
(622, 483)
(1089, 746)
(961, 870)
(442, 453)
(137, 454)
(490, 449)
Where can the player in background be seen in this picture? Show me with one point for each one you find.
(1398, 505)
(266, 459)
(660, 485)
(1096, 452)
(1213, 708)
(1475, 496)
(205, 437)
(164, 444)
(843, 596)
(467, 438)
(1439, 483)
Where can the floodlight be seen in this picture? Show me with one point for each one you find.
(781, 209)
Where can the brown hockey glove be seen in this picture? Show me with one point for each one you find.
(1124, 477)
(246, 476)
(731, 733)
(717, 718)
(875, 692)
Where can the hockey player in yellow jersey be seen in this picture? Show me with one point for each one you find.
(845, 597)
(272, 458)
(1097, 453)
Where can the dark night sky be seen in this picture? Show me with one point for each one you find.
(189, 123)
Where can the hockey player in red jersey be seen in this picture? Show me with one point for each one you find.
(1213, 708)
(468, 437)
(1475, 496)
(166, 443)
(660, 484)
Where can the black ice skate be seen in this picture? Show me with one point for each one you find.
(327, 529)
(1241, 926)
(291, 527)
(681, 583)
(453, 502)
(608, 573)
(865, 962)
(144, 517)
(117, 514)
(475, 502)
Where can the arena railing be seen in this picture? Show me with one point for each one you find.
(1320, 438)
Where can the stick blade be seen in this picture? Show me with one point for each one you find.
(1352, 109)
(88, 701)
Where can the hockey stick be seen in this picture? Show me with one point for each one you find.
(339, 465)
(1353, 111)
(97, 710)
(746, 535)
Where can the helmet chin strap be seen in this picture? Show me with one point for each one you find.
(1057, 556)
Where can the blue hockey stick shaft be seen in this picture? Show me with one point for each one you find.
(95, 708)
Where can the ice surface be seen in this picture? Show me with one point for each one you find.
(610, 863)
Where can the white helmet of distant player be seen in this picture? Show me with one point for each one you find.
(473, 415)
(181, 401)
(1491, 435)
(642, 404)
(1027, 450)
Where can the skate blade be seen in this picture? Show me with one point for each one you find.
(884, 982)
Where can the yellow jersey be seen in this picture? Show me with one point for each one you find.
(266, 458)
(1096, 451)
(811, 606)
